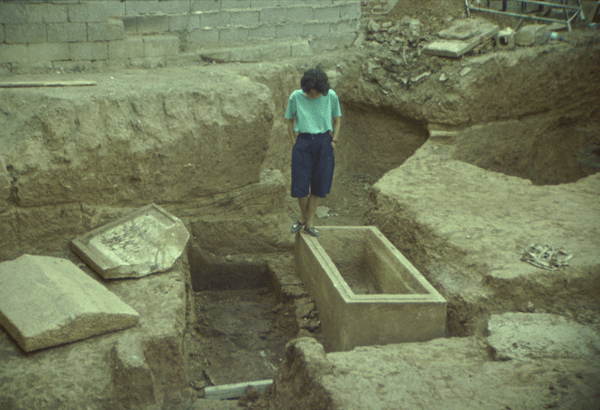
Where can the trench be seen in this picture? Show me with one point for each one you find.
(241, 321)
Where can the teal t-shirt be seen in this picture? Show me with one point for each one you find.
(313, 116)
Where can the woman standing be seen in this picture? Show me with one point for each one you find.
(314, 120)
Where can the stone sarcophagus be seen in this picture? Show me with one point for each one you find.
(366, 291)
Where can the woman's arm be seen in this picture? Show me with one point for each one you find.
(291, 132)
(337, 123)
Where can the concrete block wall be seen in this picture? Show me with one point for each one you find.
(78, 34)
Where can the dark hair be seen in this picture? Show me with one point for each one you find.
(315, 79)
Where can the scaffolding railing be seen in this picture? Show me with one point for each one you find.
(570, 11)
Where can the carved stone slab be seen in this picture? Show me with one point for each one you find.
(46, 301)
(147, 241)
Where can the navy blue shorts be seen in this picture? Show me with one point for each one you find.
(312, 165)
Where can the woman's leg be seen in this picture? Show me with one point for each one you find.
(303, 208)
(310, 210)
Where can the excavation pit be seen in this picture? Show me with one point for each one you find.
(366, 291)
(240, 326)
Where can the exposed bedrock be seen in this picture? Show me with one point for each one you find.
(195, 142)
(465, 228)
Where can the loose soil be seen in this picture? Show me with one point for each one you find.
(240, 336)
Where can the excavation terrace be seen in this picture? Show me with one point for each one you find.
(146, 259)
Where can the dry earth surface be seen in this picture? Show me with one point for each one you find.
(515, 161)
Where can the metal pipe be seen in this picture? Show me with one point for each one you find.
(549, 4)
(506, 13)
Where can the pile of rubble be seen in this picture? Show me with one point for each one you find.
(398, 47)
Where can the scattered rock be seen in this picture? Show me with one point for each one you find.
(360, 40)
(322, 212)
(373, 27)
(415, 27)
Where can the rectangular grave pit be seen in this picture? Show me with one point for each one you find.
(366, 291)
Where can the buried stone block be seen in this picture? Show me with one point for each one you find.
(147, 241)
(366, 291)
(46, 301)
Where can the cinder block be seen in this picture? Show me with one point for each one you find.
(130, 23)
(112, 30)
(13, 13)
(245, 18)
(183, 22)
(25, 33)
(45, 52)
(289, 30)
(157, 46)
(350, 10)
(152, 24)
(233, 34)
(131, 47)
(329, 13)
(315, 29)
(47, 13)
(67, 32)
(300, 13)
(175, 7)
(262, 31)
(140, 7)
(14, 53)
(204, 35)
(532, 35)
(273, 15)
(89, 51)
(204, 5)
(235, 4)
(261, 4)
(215, 19)
(96, 11)
(344, 26)
(505, 39)
(366, 291)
